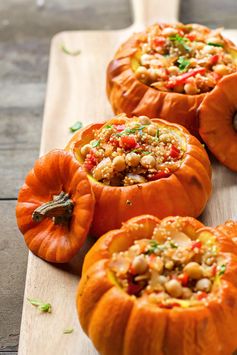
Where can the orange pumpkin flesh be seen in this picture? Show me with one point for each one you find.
(55, 236)
(128, 94)
(184, 192)
(218, 122)
(118, 323)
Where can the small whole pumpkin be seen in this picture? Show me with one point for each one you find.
(55, 207)
(155, 72)
(185, 191)
(128, 307)
(218, 121)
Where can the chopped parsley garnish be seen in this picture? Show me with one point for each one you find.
(181, 40)
(95, 143)
(153, 247)
(215, 44)
(183, 63)
(76, 126)
(173, 245)
(222, 270)
(42, 307)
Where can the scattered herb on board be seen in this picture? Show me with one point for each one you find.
(76, 126)
(68, 331)
(183, 63)
(72, 53)
(42, 306)
(214, 44)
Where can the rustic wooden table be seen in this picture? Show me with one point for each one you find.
(25, 33)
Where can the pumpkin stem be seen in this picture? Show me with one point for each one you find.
(235, 122)
(59, 209)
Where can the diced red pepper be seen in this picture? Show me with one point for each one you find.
(214, 59)
(201, 295)
(158, 175)
(127, 142)
(214, 270)
(183, 278)
(114, 141)
(120, 127)
(90, 161)
(174, 152)
(191, 36)
(159, 41)
(197, 245)
(182, 78)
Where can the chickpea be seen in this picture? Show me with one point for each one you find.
(191, 88)
(162, 279)
(119, 163)
(221, 69)
(158, 265)
(151, 130)
(187, 293)
(152, 74)
(148, 161)
(174, 288)
(173, 70)
(146, 58)
(204, 285)
(85, 149)
(142, 73)
(169, 265)
(193, 270)
(132, 159)
(169, 31)
(144, 120)
(139, 264)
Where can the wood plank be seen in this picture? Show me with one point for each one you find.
(12, 277)
(76, 92)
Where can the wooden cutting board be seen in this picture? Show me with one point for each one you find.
(76, 91)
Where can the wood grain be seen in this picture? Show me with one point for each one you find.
(76, 91)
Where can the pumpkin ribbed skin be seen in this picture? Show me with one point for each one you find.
(216, 119)
(55, 172)
(128, 94)
(120, 324)
(184, 192)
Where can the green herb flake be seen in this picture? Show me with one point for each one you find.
(183, 63)
(215, 44)
(108, 126)
(181, 40)
(42, 307)
(173, 245)
(76, 126)
(68, 331)
(95, 143)
(68, 52)
(222, 270)
(145, 153)
(153, 247)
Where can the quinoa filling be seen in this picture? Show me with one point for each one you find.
(171, 269)
(134, 151)
(187, 59)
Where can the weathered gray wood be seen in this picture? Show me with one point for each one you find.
(13, 255)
